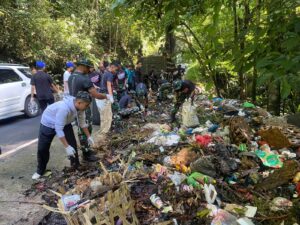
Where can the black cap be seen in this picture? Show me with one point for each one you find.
(115, 63)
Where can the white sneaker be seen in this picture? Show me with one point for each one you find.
(35, 176)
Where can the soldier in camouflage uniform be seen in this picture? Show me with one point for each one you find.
(164, 90)
(184, 89)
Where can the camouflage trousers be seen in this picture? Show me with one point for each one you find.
(178, 101)
(83, 140)
(163, 91)
(129, 111)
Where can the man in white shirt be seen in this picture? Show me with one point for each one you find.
(57, 120)
(67, 74)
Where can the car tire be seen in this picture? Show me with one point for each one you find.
(95, 113)
(31, 110)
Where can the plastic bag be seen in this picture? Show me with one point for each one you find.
(165, 140)
(221, 217)
(177, 178)
(210, 193)
(189, 115)
(204, 165)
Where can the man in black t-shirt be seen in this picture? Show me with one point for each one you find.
(139, 76)
(80, 81)
(105, 106)
(43, 85)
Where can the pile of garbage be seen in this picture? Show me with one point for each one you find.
(237, 165)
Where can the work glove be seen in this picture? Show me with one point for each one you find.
(70, 151)
(110, 98)
(91, 141)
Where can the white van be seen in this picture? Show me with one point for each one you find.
(15, 91)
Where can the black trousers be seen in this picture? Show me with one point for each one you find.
(46, 136)
(45, 102)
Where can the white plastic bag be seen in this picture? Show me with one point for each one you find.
(189, 115)
(210, 193)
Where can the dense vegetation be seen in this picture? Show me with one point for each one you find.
(239, 48)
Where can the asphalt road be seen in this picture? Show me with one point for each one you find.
(18, 138)
(17, 131)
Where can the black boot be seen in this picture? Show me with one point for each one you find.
(74, 162)
(89, 156)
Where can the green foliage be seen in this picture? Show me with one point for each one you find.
(256, 43)
(193, 72)
(57, 31)
(240, 47)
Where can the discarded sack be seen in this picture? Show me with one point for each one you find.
(185, 156)
(204, 165)
(274, 137)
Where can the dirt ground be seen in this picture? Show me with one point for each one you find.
(15, 178)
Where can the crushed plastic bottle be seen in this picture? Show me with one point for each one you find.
(156, 201)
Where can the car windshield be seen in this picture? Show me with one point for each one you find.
(26, 72)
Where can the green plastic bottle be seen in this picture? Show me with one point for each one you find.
(197, 180)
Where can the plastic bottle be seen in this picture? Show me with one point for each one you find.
(156, 201)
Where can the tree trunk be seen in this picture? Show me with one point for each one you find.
(275, 43)
(116, 39)
(255, 76)
(274, 98)
(254, 82)
(170, 41)
(239, 47)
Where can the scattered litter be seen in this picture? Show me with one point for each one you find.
(245, 221)
(70, 201)
(189, 115)
(280, 204)
(156, 201)
(274, 137)
(225, 152)
(165, 139)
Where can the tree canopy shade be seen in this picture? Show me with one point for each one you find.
(248, 48)
(56, 31)
(239, 48)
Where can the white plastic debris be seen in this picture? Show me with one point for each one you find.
(189, 115)
(280, 204)
(165, 139)
(177, 178)
(245, 221)
(251, 211)
(210, 193)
